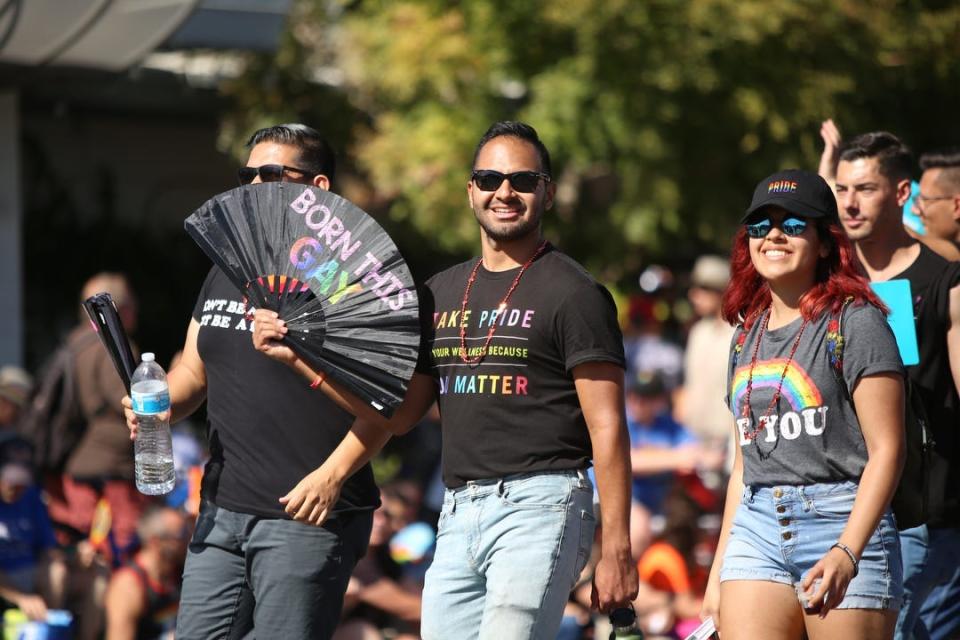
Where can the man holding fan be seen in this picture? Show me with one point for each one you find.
(249, 566)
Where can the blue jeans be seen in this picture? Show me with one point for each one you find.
(508, 553)
(779, 533)
(931, 571)
(281, 578)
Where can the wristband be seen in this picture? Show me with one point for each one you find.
(850, 554)
(319, 381)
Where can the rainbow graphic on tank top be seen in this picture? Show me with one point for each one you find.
(798, 389)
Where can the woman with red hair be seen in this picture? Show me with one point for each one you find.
(808, 542)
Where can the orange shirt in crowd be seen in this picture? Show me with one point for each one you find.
(664, 569)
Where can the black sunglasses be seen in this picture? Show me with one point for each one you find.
(268, 173)
(791, 226)
(521, 181)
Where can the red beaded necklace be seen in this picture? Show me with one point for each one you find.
(762, 422)
(500, 308)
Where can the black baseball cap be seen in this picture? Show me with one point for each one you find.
(801, 192)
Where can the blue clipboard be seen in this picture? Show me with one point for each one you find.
(898, 298)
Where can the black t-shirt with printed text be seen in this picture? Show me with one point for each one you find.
(517, 411)
(266, 428)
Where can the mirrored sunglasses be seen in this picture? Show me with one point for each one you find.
(521, 181)
(268, 173)
(791, 226)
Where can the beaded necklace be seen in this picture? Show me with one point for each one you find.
(500, 308)
(762, 422)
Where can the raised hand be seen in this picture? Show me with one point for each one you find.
(830, 157)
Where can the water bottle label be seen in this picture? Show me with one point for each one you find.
(147, 403)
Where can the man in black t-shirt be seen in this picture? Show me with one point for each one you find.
(873, 183)
(250, 567)
(523, 352)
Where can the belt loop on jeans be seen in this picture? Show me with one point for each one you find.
(805, 500)
(500, 488)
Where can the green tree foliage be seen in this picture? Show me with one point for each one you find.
(661, 115)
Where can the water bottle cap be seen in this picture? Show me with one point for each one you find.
(623, 617)
(148, 357)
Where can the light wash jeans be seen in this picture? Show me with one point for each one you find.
(508, 553)
(931, 581)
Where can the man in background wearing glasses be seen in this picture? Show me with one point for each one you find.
(249, 566)
(873, 183)
(523, 352)
(938, 203)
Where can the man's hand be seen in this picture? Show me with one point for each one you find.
(131, 417)
(312, 499)
(132, 421)
(830, 157)
(615, 583)
(268, 329)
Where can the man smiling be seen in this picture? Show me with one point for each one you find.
(517, 520)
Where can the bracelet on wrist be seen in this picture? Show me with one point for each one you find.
(318, 381)
(850, 554)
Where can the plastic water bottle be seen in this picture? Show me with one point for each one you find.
(624, 623)
(153, 449)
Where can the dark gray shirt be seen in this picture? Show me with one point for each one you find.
(812, 434)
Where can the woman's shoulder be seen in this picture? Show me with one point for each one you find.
(863, 315)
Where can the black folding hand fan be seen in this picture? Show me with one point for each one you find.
(330, 271)
(106, 322)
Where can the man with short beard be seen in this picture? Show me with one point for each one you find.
(873, 183)
(525, 357)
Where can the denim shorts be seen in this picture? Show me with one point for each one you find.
(779, 533)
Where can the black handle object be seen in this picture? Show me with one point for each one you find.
(106, 322)
(624, 623)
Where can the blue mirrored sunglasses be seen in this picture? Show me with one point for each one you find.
(791, 226)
